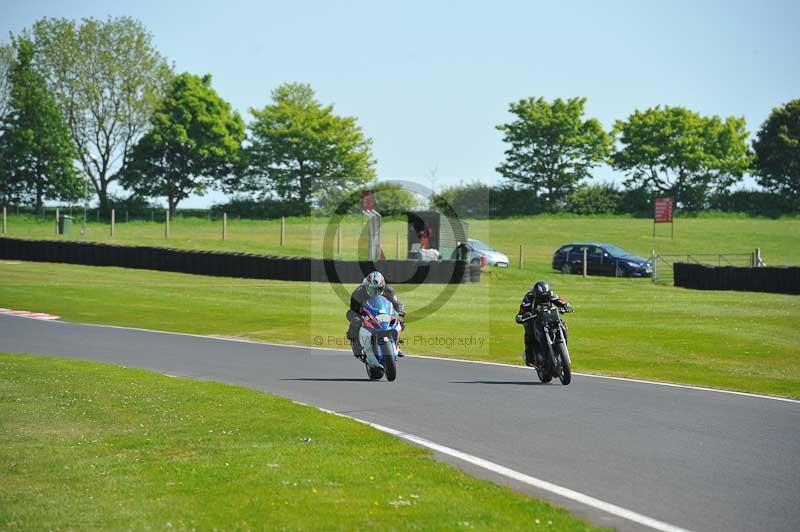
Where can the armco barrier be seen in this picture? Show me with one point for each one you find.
(777, 279)
(236, 264)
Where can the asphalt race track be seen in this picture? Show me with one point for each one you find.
(690, 458)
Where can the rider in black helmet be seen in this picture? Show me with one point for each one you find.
(535, 299)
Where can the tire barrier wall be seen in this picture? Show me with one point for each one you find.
(782, 280)
(236, 264)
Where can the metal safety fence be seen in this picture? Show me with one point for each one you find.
(663, 270)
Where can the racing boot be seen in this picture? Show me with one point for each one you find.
(528, 357)
(355, 345)
(538, 359)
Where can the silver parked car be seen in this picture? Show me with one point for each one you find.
(480, 252)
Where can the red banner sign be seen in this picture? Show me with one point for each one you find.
(368, 201)
(663, 210)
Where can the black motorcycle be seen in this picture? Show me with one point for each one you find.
(552, 332)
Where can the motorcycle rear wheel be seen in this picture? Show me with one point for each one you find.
(561, 351)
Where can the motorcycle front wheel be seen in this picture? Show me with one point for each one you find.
(544, 376)
(390, 364)
(565, 372)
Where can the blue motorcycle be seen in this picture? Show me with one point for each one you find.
(379, 336)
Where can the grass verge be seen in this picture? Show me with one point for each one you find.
(541, 235)
(92, 446)
(625, 327)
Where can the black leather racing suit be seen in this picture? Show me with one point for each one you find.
(533, 344)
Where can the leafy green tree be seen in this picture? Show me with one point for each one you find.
(300, 150)
(9, 189)
(107, 77)
(677, 152)
(195, 141)
(35, 148)
(777, 148)
(6, 58)
(552, 148)
(390, 198)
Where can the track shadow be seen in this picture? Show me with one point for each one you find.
(517, 383)
(321, 379)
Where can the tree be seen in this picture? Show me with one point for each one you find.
(35, 148)
(389, 198)
(194, 141)
(6, 59)
(552, 146)
(107, 77)
(300, 150)
(777, 149)
(675, 151)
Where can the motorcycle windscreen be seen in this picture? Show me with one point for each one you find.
(378, 305)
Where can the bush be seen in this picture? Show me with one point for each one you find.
(243, 207)
(754, 203)
(135, 206)
(594, 199)
(481, 201)
(637, 202)
(390, 199)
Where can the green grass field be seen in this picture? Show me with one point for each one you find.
(130, 450)
(779, 240)
(625, 327)
(87, 446)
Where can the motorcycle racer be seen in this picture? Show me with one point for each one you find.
(535, 298)
(373, 284)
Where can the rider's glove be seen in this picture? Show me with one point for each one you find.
(523, 317)
(568, 308)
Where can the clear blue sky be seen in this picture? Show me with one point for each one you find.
(430, 80)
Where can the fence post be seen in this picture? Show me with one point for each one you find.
(57, 214)
(113, 221)
(653, 259)
(5, 221)
(126, 215)
(339, 239)
(224, 225)
(584, 262)
(396, 246)
(521, 257)
(283, 228)
(166, 225)
(759, 260)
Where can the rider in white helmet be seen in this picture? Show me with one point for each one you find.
(373, 285)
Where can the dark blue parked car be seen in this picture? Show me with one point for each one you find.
(601, 259)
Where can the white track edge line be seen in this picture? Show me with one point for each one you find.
(443, 359)
(498, 469)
